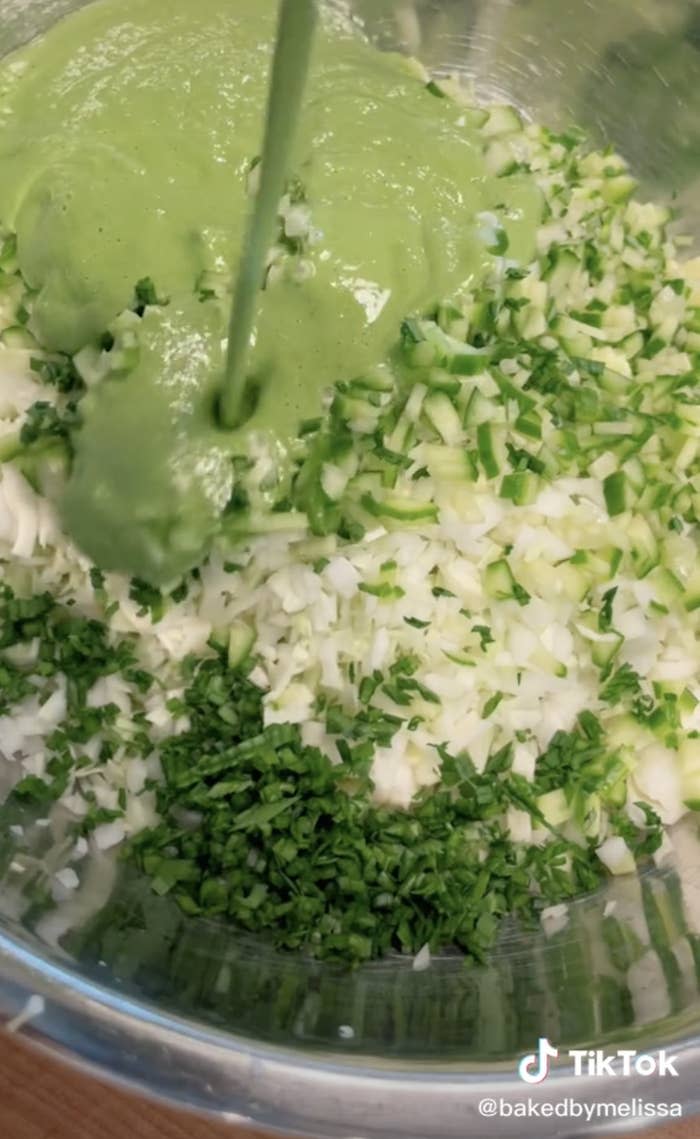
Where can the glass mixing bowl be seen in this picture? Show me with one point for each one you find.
(198, 1015)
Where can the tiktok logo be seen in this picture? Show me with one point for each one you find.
(534, 1068)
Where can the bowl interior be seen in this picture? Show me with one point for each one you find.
(621, 964)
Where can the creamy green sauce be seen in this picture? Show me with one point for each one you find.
(152, 472)
(126, 139)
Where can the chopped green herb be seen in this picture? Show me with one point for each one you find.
(415, 623)
(624, 682)
(491, 705)
(605, 618)
(485, 636)
(148, 598)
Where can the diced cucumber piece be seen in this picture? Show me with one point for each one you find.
(18, 337)
(241, 639)
(400, 438)
(690, 415)
(564, 265)
(449, 464)
(691, 593)
(618, 189)
(604, 651)
(438, 380)
(644, 548)
(490, 443)
(500, 584)
(613, 786)
(654, 496)
(502, 120)
(476, 117)
(428, 345)
(632, 345)
(400, 509)
(423, 355)
(10, 447)
(377, 379)
(521, 487)
(482, 316)
(554, 807)
(243, 524)
(668, 590)
(619, 493)
(529, 423)
(635, 473)
(499, 581)
(588, 813)
(499, 157)
(572, 582)
(451, 317)
(574, 337)
(626, 732)
(414, 404)
(468, 361)
(547, 662)
(599, 564)
(442, 414)
(92, 364)
(603, 646)
(615, 429)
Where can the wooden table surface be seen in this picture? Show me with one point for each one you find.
(40, 1099)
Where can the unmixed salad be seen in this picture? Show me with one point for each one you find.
(452, 675)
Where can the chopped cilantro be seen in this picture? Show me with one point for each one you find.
(491, 705)
(146, 296)
(485, 636)
(331, 873)
(624, 682)
(605, 618)
(384, 590)
(148, 598)
(416, 623)
(15, 685)
(180, 593)
(81, 652)
(97, 579)
(46, 423)
(59, 373)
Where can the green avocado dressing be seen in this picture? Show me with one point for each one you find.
(152, 472)
(126, 141)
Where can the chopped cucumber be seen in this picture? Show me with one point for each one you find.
(399, 509)
(500, 584)
(492, 450)
(241, 640)
(449, 464)
(17, 336)
(443, 415)
(619, 493)
(521, 487)
(501, 121)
